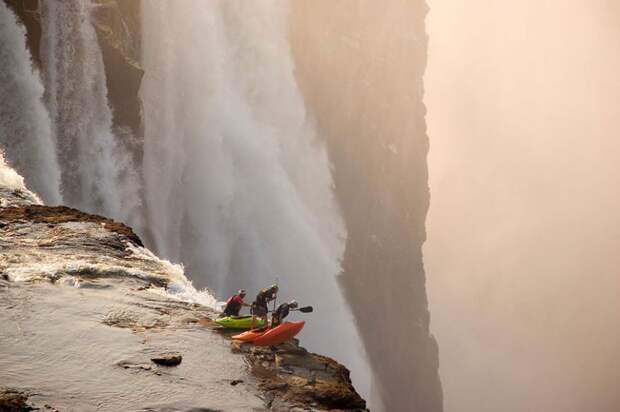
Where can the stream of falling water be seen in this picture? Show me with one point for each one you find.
(97, 171)
(237, 184)
(25, 127)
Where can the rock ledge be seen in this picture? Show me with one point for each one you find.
(292, 378)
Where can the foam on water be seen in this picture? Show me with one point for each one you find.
(179, 287)
(141, 264)
(10, 179)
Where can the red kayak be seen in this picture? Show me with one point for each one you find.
(250, 335)
(279, 334)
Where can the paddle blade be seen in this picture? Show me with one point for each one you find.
(306, 309)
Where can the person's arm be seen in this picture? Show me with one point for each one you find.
(240, 301)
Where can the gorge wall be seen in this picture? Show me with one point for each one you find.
(360, 65)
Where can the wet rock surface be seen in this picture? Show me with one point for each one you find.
(62, 214)
(168, 359)
(13, 401)
(16, 197)
(92, 321)
(292, 378)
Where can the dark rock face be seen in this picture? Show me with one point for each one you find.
(168, 359)
(28, 13)
(118, 27)
(291, 377)
(13, 401)
(361, 70)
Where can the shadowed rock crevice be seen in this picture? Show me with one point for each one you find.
(119, 32)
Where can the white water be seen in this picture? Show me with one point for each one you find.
(25, 260)
(237, 185)
(235, 180)
(25, 128)
(97, 171)
(73, 265)
(10, 179)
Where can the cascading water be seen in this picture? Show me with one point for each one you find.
(97, 171)
(237, 185)
(25, 127)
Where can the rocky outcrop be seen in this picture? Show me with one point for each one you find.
(62, 214)
(294, 379)
(168, 359)
(13, 401)
(361, 70)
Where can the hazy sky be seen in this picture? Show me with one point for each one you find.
(524, 226)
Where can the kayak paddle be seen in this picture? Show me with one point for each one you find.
(305, 309)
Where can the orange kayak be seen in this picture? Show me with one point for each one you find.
(279, 334)
(250, 335)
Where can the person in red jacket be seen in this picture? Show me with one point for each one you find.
(234, 304)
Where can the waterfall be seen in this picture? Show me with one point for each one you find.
(97, 170)
(25, 127)
(237, 183)
(232, 164)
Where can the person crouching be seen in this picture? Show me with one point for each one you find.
(282, 311)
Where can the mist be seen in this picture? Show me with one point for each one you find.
(360, 67)
(523, 232)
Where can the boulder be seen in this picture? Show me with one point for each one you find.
(168, 359)
(291, 377)
(13, 401)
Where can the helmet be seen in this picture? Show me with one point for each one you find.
(293, 304)
(274, 287)
(241, 292)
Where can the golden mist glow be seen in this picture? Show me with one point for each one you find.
(524, 226)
